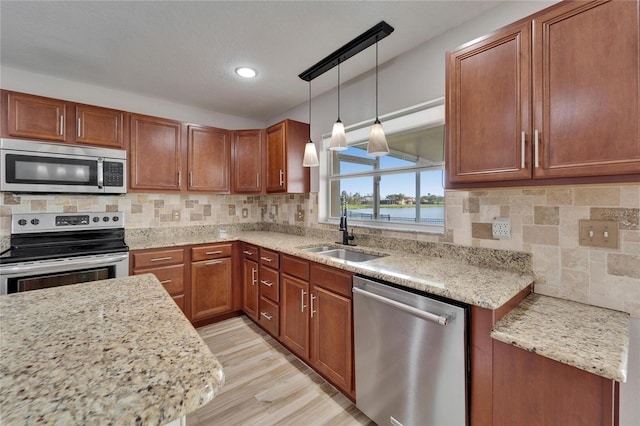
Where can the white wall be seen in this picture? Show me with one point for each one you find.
(54, 87)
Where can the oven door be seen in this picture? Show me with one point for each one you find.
(18, 277)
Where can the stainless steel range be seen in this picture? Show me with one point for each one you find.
(54, 249)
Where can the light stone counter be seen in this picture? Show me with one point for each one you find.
(115, 352)
(483, 287)
(583, 336)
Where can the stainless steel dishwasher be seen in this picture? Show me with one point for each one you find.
(411, 356)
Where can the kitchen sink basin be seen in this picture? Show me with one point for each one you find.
(343, 254)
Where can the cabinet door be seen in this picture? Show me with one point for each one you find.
(586, 83)
(36, 117)
(211, 288)
(156, 154)
(250, 287)
(488, 108)
(276, 158)
(247, 161)
(294, 315)
(209, 151)
(99, 126)
(332, 344)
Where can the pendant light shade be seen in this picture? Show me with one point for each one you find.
(310, 158)
(377, 140)
(338, 137)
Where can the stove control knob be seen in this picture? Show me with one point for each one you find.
(116, 218)
(106, 218)
(22, 222)
(96, 219)
(35, 221)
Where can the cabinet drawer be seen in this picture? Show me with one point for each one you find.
(250, 252)
(171, 277)
(269, 283)
(332, 279)
(157, 258)
(211, 252)
(269, 258)
(269, 317)
(295, 267)
(179, 301)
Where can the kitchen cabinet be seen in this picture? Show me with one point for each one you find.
(209, 159)
(211, 281)
(55, 120)
(542, 101)
(250, 281)
(247, 161)
(294, 306)
(533, 390)
(285, 150)
(156, 154)
(269, 291)
(168, 267)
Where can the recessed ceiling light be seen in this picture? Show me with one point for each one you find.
(246, 72)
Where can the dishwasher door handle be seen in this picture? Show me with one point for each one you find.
(438, 319)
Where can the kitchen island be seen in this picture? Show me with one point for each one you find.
(114, 352)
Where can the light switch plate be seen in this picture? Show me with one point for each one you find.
(599, 233)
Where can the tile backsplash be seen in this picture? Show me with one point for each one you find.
(544, 224)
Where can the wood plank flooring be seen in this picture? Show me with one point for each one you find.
(266, 385)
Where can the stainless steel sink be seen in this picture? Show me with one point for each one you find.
(343, 254)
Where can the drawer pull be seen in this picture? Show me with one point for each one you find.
(254, 278)
(266, 259)
(214, 252)
(165, 282)
(213, 262)
(313, 311)
(266, 315)
(267, 283)
(62, 125)
(79, 126)
(160, 259)
(247, 252)
(302, 305)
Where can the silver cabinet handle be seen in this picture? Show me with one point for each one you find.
(159, 259)
(281, 177)
(302, 305)
(266, 259)
(165, 282)
(267, 283)
(257, 180)
(214, 252)
(522, 144)
(213, 262)
(179, 177)
(247, 252)
(62, 125)
(438, 319)
(190, 178)
(536, 149)
(313, 311)
(254, 279)
(79, 126)
(266, 315)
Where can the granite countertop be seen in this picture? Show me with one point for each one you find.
(112, 352)
(586, 337)
(482, 287)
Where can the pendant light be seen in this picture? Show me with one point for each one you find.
(338, 137)
(310, 155)
(377, 140)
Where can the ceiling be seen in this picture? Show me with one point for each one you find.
(186, 51)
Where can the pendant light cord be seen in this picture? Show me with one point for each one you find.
(338, 91)
(376, 79)
(309, 110)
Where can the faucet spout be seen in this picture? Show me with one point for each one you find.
(343, 224)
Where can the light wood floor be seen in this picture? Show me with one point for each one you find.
(266, 385)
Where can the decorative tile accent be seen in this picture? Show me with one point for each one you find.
(596, 196)
(627, 218)
(470, 205)
(11, 199)
(624, 265)
(540, 234)
(482, 230)
(544, 215)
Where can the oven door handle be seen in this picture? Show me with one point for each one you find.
(66, 264)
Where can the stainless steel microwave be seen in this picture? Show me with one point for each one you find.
(60, 168)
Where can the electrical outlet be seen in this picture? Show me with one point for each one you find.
(245, 213)
(176, 215)
(501, 228)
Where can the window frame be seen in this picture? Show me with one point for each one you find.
(424, 115)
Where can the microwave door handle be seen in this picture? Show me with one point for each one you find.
(100, 173)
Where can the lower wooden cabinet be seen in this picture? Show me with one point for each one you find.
(250, 287)
(211, 285)
(294, 327)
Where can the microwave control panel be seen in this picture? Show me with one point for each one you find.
(113, 173)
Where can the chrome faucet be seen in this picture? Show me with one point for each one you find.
(343, 223)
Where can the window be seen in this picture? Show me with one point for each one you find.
(402, 189)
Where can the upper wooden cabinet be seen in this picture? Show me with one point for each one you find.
(248, 161)
(285, 151)
(209, 159)
(156, 154)
(100, 126)
(561, 103)
(54, 120)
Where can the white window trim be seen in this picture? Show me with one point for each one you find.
(427, 114)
